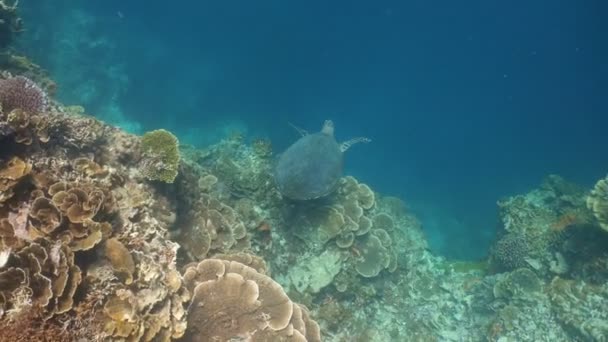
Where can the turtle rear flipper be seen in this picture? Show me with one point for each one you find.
(347, 144)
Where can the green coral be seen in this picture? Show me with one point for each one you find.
(160, 155)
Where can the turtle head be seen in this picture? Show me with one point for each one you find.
(328, 128)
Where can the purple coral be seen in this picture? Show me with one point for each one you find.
(23, 93)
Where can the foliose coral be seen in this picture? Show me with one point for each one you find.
(213, 226)
(233, 301)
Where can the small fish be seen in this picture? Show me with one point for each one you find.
(120, 15)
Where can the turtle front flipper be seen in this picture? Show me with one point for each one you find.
(347, 144)
(302, 132)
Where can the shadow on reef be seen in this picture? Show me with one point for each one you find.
(107, 236)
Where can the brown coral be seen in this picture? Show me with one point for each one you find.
(120, 258)
(234, 301)
(41, 276)
(90, 168)
(78, 204)
(214, 226)
(45, 215)
(153, 310)
(25, 126)
(11, 173)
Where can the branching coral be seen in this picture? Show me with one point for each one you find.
(22, 93)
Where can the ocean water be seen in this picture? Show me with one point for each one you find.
(465, 102)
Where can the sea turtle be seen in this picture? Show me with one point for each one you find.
(312, 166)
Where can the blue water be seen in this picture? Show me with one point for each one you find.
(466, 102)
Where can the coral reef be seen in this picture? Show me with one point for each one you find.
(81, 243)
(108, 236)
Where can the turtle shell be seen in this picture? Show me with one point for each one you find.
(310, 168)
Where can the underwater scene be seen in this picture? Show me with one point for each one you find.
(340, 171)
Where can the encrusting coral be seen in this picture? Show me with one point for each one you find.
(90, 250)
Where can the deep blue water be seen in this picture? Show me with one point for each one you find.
(466, 102)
